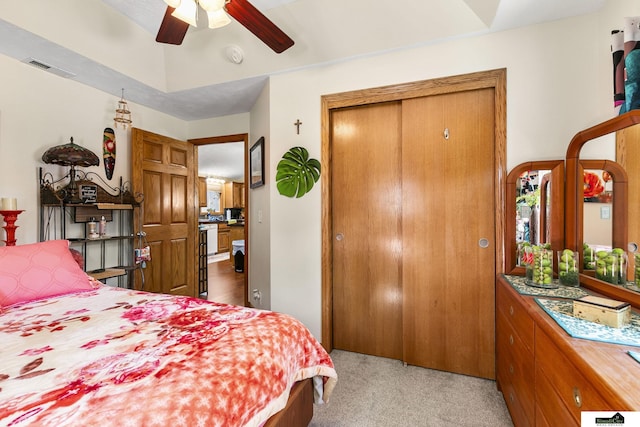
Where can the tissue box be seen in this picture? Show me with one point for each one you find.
(602, 310)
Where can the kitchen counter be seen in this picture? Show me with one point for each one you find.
(205, 221)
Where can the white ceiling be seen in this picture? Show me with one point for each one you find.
(222, 161)
(201, 82)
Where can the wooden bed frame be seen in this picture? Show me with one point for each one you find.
(299, 409)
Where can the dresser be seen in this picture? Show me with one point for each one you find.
(547, 377)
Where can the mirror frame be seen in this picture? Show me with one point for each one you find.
(575, 197)
(556, 168)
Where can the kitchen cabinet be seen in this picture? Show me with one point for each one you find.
(237, 232)
(547, 377)
(224, 238)
(234, 195)
(202, 191)
(66, 211)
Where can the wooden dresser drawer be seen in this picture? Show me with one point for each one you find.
(519, 416)
(549, 405)
(516, 370)
(516, 313)
(561, 390)
(541, 420)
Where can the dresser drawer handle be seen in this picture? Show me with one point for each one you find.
(511, 368)
(511, 310)
(577, 398)
(511, 339)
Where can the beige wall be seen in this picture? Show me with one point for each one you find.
(39, 110)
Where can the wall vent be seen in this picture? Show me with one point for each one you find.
(49, 68)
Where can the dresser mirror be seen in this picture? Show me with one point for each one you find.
(535, 202)
(603, 209)
(581, 147)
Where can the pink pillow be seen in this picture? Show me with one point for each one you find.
(39, 270)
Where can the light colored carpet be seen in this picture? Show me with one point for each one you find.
(378, 392)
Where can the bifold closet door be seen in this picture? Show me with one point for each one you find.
(366, 216)
(448, 233)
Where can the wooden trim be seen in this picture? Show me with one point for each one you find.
(220, 139)
(495, 79)
(545, 181)
(574, 198)
(239, 137)
(574, 180)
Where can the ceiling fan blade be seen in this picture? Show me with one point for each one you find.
(254, 21)
(172, 30)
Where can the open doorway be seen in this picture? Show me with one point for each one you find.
(223, 217)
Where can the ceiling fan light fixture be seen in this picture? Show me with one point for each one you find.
(187, 12)
(173, 3)
(211, 5)
(218, 18)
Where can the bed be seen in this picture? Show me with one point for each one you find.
(76, 352)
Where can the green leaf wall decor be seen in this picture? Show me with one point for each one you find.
(296, 173)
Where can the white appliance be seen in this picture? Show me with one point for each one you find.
(212, 237)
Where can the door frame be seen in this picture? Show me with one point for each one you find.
(496, 79)
(240, 137)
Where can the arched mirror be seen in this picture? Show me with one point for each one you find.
(535, 205)
(603, 212)
(577, 162)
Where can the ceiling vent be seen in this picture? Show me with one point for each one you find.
(47, 67)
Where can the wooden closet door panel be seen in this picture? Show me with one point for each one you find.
(448, 206)
(366, 198)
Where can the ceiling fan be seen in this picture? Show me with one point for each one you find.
(182, 13)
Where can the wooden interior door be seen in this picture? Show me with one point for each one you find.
(163, 170)
(366, 216)
(448, 208)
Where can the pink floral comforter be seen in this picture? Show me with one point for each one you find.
(118, 357)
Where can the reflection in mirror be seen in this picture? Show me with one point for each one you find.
(597, 215)
(575, 207)
(535, 202)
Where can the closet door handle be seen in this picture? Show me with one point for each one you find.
(483, 243)
(339, 237)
